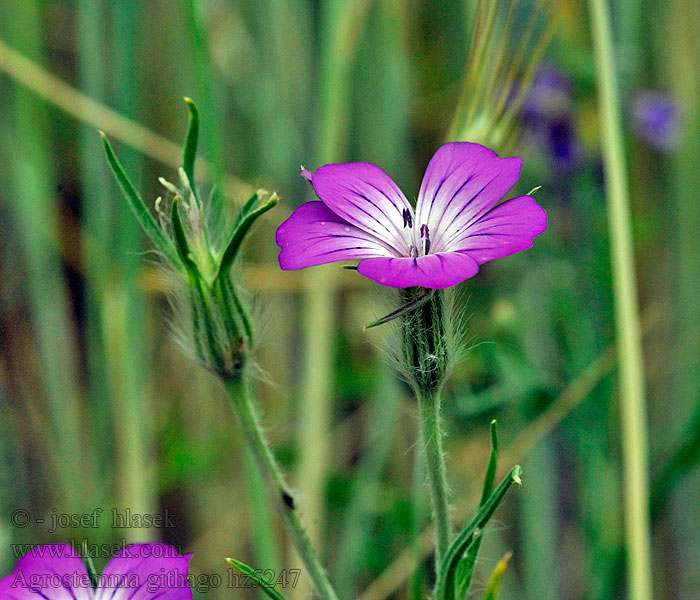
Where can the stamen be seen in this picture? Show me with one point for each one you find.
(407, 219)
(162, 217)
(425, 233)
(413, 251)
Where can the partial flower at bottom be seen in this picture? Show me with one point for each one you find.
(138, 572)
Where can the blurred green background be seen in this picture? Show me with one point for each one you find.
(99, 407)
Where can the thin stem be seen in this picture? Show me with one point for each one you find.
(632, 394)
(429, 407)
(277, 488)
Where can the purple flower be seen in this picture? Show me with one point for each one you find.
(457, 224)
(656, 118)
(547, 115)
(137, 572)
(550, 96)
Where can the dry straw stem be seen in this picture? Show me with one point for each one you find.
(87, 110)
(498, 75)
(576, 392)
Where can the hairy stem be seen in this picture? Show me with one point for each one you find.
(429, 407)
(240, 398)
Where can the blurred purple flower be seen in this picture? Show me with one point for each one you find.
(656, 118)
(547, 115)
(138, 572)
(457, 225)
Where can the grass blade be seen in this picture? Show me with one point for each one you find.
(259, 581)
(496, 579)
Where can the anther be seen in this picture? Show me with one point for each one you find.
(425, 233)
(407, 219)
(413, 251)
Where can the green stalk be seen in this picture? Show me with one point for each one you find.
(239, 394)
(355, 536)
(632, 392)
(538, 515)
(678, 49)
(341, 23)
(267, 546)
(95, 179)
(128, 348)
(31, 202)
(431, 433)
(418, 521)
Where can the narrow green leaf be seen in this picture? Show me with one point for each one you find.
(261, 583)
(496, 579)
(446, 587)
(406, 308)
(246, 209)
(239, 234)
(490, 477)
(465, 571)
(183, 248)
(190, 151)
(141, 212)
(92, 573)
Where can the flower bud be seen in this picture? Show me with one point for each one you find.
(215, 320)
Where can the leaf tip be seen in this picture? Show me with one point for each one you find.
(517, 472)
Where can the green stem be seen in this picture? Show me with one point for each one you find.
(277, 488)
(429, 407)
(632, 394)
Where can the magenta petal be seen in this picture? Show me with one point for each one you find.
(54, 572)
(508, 228)
(462, 182)
(435, 271)
(146, 572)
(315, 235)
(365, 196)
